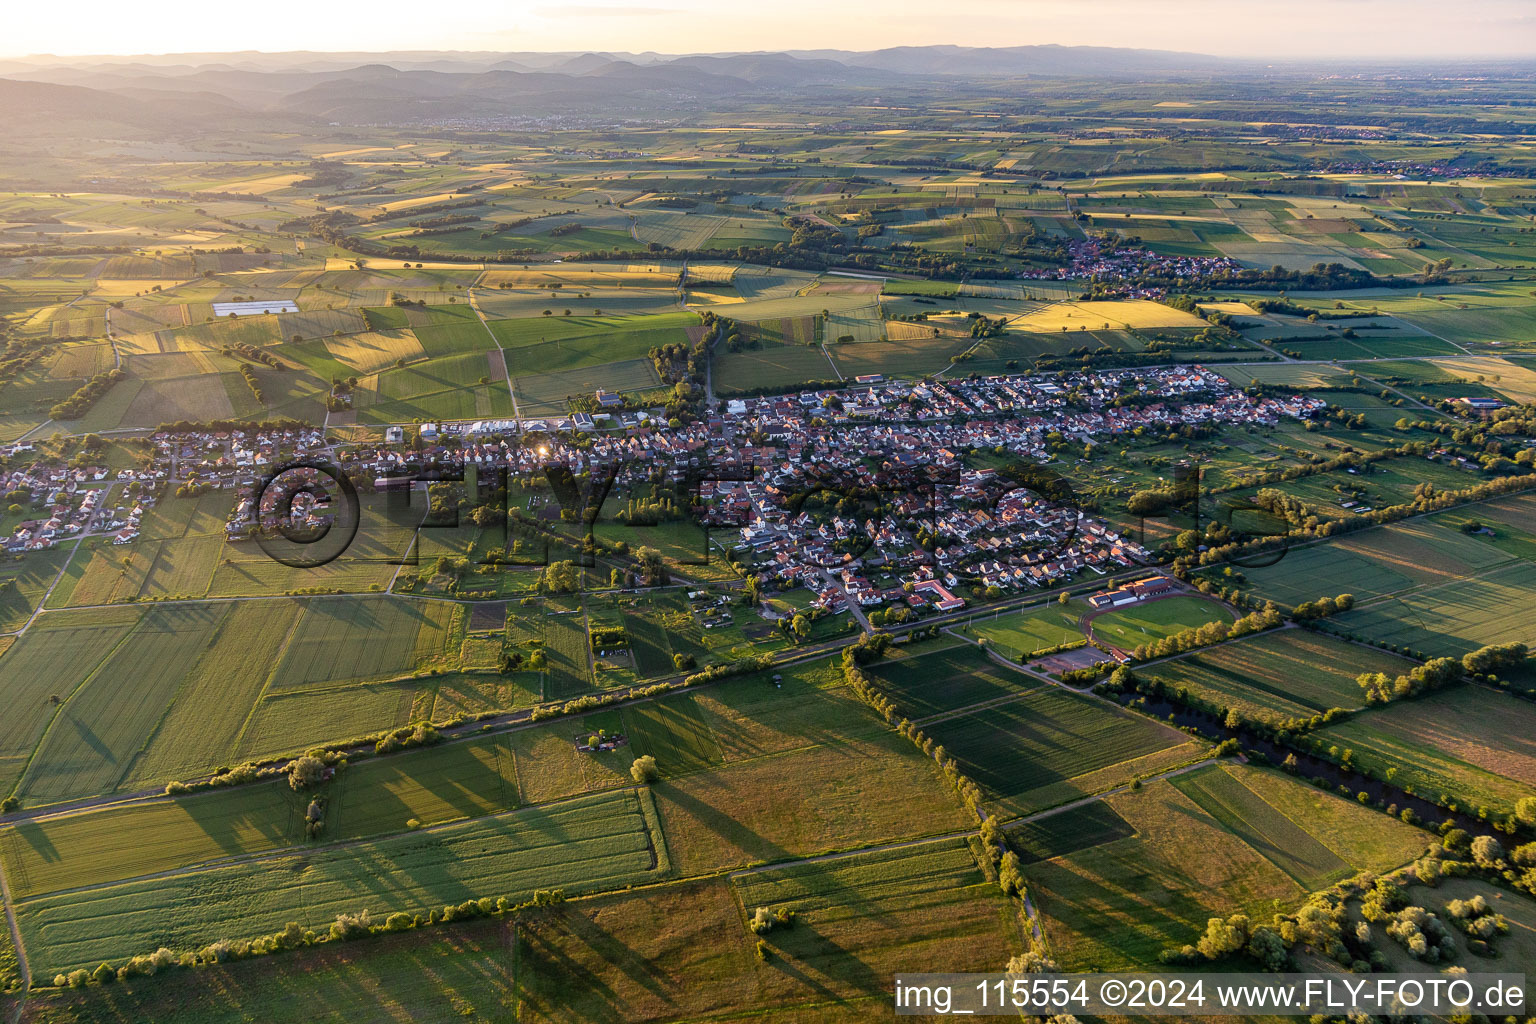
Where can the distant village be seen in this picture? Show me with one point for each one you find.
(867, 495)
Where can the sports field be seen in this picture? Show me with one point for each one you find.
(1018, 635)
(1128, 628)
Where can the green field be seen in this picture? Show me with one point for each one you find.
(428, 975)
(587, 843)
(343, 639)
(927, 684)
(1279, 675)
(1422, 584)
(1052, 745)
(1018, 635)
(1128, 628)
(928, 901)
(1116, 887)
(1468, 744)
(779, 366)
(673, 731)
(466, 779)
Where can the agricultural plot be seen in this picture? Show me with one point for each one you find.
(427, 786)
(87, 747)
(116, 843)
(1113, 901)
(371, 351)
(1278, 676)
(1470, 744)
(774, 367)
(899, 357)
(343, 639)
(543, 345)
(673, 731)
(930, 900)
(1130, 314)
(596, 842)
(1016, 351)
(30, 579)
(569, 671)
(678, 230)
(1081, 827)
(52, 659)
(1421, 585)
(202, 726)
(465, 386)
(805, 801)
(430, 975)
(755, 716)
(940, 681)
(1052, 745)
(295, 721)
(549, 394)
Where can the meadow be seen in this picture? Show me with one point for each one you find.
(1277, 676)
(1117, 886)
(587, 843)
(940, 681)
(1051, 745)
(1469, 744)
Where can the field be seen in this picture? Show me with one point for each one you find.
(780, 366)
(1051, 745)
(429, 786)
(1278, 676)
(1116, 886)
(461, 244)
(1130, 627)
(959, 677)
(1470, 744)
(425, 976)
(1017, 636)
(804, 801)
(928, 902)
(589, 842)
(339, 640)
(1422, 584)
(674, 732)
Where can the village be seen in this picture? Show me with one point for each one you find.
(865, 495)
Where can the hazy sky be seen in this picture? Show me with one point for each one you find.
(1281, 28)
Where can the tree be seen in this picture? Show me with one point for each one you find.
(1222, 938)
(800, 626)
(305, 772)
(1487, 851)
(644, 770)
(1525, 810)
